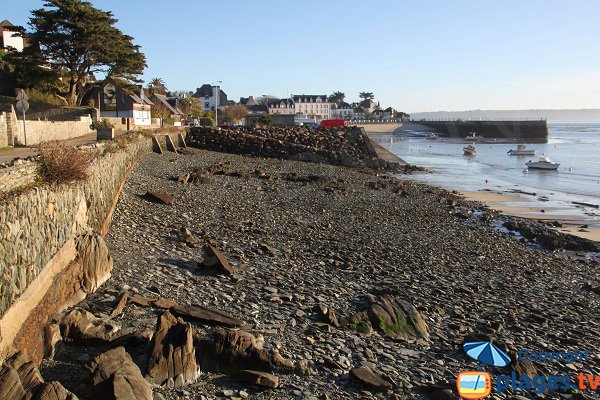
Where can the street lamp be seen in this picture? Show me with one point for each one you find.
(217, 95)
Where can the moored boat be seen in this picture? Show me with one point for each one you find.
(543, 162)
(432, 136)
(472, 137)
(522, 150)
(470, 150)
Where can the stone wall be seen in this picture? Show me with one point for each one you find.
(44, 230)
(45, 131)
(21, 173)
(340, 146)
(3, 130)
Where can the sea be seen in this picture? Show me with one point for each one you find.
(575, 145)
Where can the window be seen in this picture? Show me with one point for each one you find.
(206, 104)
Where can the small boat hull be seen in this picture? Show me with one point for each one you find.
(547, 166)
(522, 152)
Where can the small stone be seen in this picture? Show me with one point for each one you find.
(259, 378)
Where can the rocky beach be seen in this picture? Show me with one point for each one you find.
(237, 276)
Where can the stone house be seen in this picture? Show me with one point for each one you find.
(116, 102)
(206, 94)
(283, 106)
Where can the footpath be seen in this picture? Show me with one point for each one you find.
(24, 152)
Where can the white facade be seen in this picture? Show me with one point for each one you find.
(312, 105)
(282, 107)
(342, 113)
(13, 41)
(140, 117)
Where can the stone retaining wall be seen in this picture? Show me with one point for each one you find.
(17, 175)
(45, 131)
(3, 130)
(48, 229)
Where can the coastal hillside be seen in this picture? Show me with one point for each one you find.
(592, 114)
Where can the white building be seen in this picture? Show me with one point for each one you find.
(312, 105)
(208, 100)
(283, 106)
(7, 38)
(343, 111)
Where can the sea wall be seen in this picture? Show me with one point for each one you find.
(339, 146)
(50, 242)
(532, 131)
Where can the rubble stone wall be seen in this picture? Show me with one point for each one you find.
(41, 233)
(17, 175)
(339, 146)
(45, 131)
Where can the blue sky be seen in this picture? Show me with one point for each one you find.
(415, 56)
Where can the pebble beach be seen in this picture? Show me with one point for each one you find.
(303, 238)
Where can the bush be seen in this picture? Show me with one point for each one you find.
(103, 123)
(60, 163)
(37, 96)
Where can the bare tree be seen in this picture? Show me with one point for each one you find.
(235, 113)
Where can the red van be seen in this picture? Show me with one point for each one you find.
(331, 123)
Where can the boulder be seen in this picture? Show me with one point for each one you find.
(259, 378)
(397, 318)
(230, 352)
(52, 340)
(82, 325)
(114, 375)
(95, 259)
(206, 315)
(19, 378)
(370, 380)
(327, 315)
(213, 258)
(172, 360)
(54, 391)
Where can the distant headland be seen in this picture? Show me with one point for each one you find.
(590, 114)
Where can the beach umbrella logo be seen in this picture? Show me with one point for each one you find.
(486, 353)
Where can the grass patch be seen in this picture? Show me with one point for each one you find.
(400, 326)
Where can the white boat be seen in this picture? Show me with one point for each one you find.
(472, 137)
(522, 150)
(432, 136)
(542, 163)
(470, 150)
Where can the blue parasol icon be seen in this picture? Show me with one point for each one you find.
(487, 353)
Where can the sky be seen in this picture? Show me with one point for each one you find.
(423, 55)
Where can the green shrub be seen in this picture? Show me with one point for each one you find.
(38, 96)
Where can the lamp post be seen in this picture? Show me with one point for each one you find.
(217, 95)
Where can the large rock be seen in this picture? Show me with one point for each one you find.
(230, 352)
(207, 315)
(19, 378)
(397, 318)
(159, 197)
(370, 380)
(213, 258)
(81, 325)
(114, 375)
(54, 391)
(172, 359)
(259, 378)
(96, 262)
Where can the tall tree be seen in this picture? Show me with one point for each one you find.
(366, 95)
(266, 99)
(75, 37)
(337, 97)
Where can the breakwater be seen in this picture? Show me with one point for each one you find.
(348, 146)
(530, 131)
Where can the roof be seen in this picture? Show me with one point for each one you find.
(276, 103)
(205, 90)
(358, 111)
(162, 99)
(308, 98)
(247, 101)
(389, 110)
(258, 108)
(343, 104)
(6, 24)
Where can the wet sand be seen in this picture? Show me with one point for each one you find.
(522, 206)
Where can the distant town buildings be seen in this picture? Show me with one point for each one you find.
(206, 93)
(283, 106)
(316, 106)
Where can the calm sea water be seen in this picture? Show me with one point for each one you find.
(575, 145)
